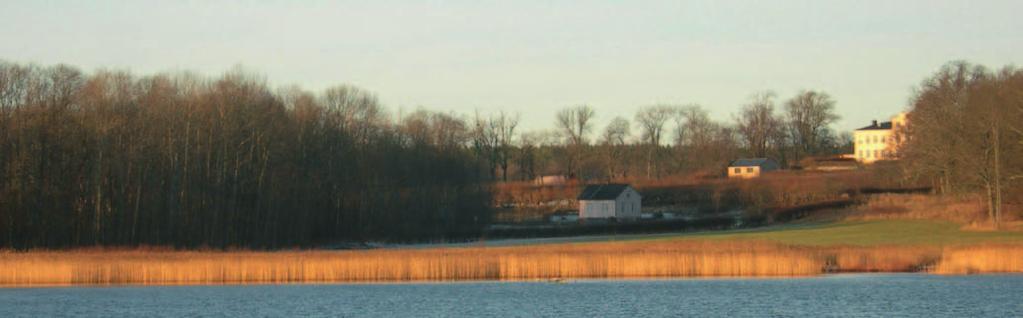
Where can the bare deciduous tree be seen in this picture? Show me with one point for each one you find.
(613, 142)
(504, 125)
(758, 124)
(185, 161)
(959, 136)
(651, 122)
(694, 127)
(358, 111)
(808, 115)
(485, 143)
(702, 143)
(575, 123)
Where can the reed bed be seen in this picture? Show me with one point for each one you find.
(884, 258)
(538, 262)
(981, 259)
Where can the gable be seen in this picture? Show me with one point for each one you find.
(628, 193)
(601, 192)
(754, 162)
(878, 126)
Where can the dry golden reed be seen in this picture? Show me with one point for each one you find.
(981, 259)
(883, 258)
(537, 262)
(600, 260)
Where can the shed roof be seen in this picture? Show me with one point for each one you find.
(878, 126)
(602, 191)
(749, 162)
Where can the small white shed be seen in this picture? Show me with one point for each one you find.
(751, 168)
(604, 201)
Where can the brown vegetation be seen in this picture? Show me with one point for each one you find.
(535, 262)
(965, 135)
(981, 259)
(884, 258)
(920, 206)
(968, 210)
(560, 261)
(766, 197)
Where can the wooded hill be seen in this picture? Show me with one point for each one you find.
(182, 160)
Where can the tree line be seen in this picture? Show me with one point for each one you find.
(965, 134)
(183, 160)
(668, 140)
(110, 158)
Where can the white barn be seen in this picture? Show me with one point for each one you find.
(604, 201)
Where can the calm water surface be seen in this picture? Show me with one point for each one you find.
(837, 296)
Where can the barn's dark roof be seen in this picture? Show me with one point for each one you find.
(878, 126)
(602, 191)
(749, 162)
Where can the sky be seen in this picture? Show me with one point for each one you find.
(536, 57)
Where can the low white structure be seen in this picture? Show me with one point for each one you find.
(751, 168)
(548, 180)
(605, 201)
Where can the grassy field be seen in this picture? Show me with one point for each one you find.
(866, 233)
(815, 234)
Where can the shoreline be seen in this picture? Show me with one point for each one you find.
(676, 259)
(536, 281)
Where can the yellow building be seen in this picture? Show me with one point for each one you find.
(751, 168)
(879, 141)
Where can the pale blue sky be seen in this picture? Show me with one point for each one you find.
(535, 57)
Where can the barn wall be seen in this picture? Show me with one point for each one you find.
(596, 209)
(743, 173)
(628, 205)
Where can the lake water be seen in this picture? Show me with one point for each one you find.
(902, 295)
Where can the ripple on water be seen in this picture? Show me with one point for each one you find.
(835, 296)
